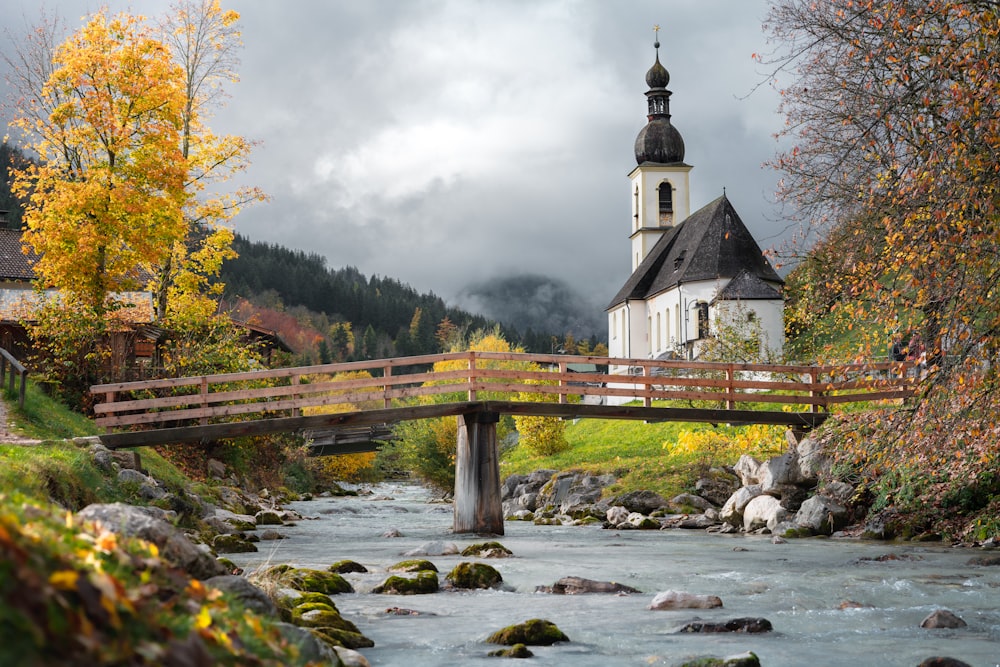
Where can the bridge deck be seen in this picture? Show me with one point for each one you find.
(210, 432)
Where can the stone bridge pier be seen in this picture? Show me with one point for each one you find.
(477, 507)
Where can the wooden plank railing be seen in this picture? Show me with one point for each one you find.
(16, 367)
(471, 375)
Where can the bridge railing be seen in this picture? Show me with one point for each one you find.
(472, 376)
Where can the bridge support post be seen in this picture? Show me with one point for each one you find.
(478, 508)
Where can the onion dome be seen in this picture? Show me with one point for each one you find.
(659, 142)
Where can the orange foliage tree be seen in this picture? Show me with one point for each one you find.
(894, 110)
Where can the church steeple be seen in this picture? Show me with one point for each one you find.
(660, 192)
(659, 142)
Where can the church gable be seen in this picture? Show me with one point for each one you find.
(748, 287)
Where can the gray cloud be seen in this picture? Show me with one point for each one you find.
(446, 143)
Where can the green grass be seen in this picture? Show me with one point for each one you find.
(45, 418)
(642, 456)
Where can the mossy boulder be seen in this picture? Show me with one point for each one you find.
(268, 518)
(315, 581)
(535, 632)
(423, 583)
(487, 550)
(515, 651)
(345, 566)
(413, 565)
(474, 575)
(747, 659)
(345, 638)
(321, 618)
(231, 544)
(289, 599)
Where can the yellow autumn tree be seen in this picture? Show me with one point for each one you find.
(106, 197)
(203, 39)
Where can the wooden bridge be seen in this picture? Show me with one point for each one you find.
(478, 387)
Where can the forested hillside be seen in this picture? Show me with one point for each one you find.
(354, 315)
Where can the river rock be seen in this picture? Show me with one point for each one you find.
(717, 486)
(822, 515)
(780, 471)
(515, 651)
(422, 583)
(732, 511)
(216, 469)
(249, 596)
(350, 657)
(747, 659)
(487, 550)
(346, 566)
(315, 581)
(747, 625)
(173, 545)
(942, 618)
(748, 470)
(235, 543)
(474, 576)
(616, 515)
(641, 502)
(689, 501)
(943, 662)
(763, 512)
(684, 600)
(813, 461)
(534, 632)
(311, 649)
(413, 565)
(579, 585)
(434, 549)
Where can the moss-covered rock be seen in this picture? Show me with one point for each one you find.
(413, 565)
(231, 544)
(289, 599)
(535, 632)
(316, 581)
(515, 651)
(321, 618)
(345, 566)
(474, 575)
(347, 639)
(423, 583)
(487, 550)
(268, 518)
(747, 659)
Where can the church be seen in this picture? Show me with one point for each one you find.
(693, 274)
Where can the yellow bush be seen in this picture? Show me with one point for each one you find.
(348, 467)
(726, 446)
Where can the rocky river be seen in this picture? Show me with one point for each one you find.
(829, 601)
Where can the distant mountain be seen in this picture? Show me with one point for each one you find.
(385, 317)
(537, 303)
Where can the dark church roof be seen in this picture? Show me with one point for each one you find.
(712, 243)
(745, 287)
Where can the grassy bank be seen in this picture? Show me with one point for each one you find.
(666, 458)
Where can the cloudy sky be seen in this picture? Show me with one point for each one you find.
(450, 142)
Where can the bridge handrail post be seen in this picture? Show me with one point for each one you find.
(472, 376)
(563, 368)
(294, 380)
(386, 374)
(730, 387)
(647, 399)
(814, 380)
(203, 392)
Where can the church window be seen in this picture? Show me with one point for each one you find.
(659, 333)
(666, 195)
(703, 320)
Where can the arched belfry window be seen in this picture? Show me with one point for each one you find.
(666, 192)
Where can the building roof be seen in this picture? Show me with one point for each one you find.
(748, 287)
(711, 243)
(14, 264)
(658, 142)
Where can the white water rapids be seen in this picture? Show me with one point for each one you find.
(799, 586)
